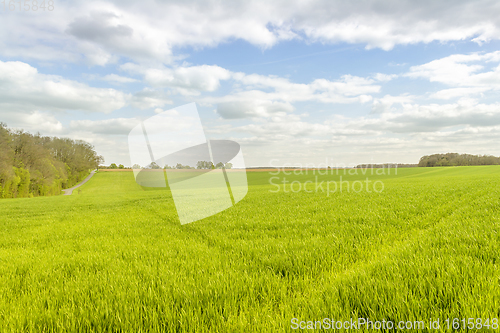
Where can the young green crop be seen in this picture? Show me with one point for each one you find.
(114, 257)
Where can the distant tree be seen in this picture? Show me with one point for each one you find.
(219, 165)
(228, 165)
(180, 166)
(205, 165)
(98, 161)
(113, 166)
(121, 166)
(136, 166)
(153, 165)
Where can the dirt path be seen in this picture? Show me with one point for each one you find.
(69, 191)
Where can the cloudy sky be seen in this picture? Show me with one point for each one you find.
(293, 82)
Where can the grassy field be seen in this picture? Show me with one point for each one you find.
(114, 257)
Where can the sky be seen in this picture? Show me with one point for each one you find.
(293, 82)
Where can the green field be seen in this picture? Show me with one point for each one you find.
(114, 257)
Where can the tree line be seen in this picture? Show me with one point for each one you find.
(385, 166)
(455, 159)
(199, 165)
(436, 160)
(114, 166)
(210, 165)
(35, 165)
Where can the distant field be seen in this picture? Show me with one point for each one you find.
(115, 258)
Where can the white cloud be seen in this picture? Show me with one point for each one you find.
(461, 70)
(458, 92)
(187, 80)
(384, 104)
(347, 86)
(32, 121)
(327, 90)
(468, 75)
(263, 96)
(113, 78)
(384, 77)
(100, 32)
(150, 98)
(21, 86)
(413, 118)
(252, 108)
(172, 112)
(287, 127)
(115, 126)
(103, 30)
